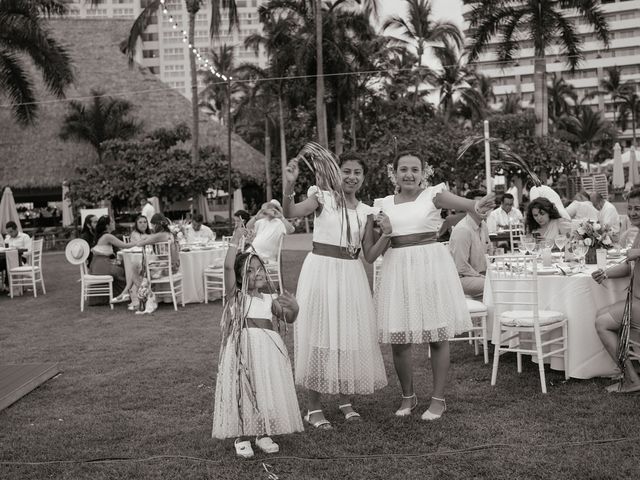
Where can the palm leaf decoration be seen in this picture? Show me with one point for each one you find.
(622, 352)
(324, 165)
(506, 156)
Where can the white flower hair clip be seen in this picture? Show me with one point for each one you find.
(427, 173)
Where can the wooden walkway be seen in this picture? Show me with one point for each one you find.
(18, 380)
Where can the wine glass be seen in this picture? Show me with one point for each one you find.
(580, 250)
(560, 242)
(529, 244)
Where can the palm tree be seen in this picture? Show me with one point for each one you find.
(420, 30)
(629, 107)
(585, 130)
(455, 84)
(193, 7)
(23, 33)
(216, 92)
(559, 93)
(546, 23)
(615, 87)
(105, 118)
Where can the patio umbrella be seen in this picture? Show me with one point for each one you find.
(8, 211)
(618, 171)
(67, 212)
(634, 177)
(238, 201)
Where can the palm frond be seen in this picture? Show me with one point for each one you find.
(16, 84)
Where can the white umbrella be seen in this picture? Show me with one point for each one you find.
(618, 171)
(238, 201)
(8, 211)
(634, 177)
(67, 212)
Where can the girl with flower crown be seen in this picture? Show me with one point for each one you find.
(419, 298)
(336, 349)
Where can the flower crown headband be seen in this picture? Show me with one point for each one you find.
(427, 173)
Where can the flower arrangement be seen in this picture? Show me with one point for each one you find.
(179, 230)
(595, 235)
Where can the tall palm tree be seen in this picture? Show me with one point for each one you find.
(23, 34)
(629, 107)
(104, 118)
(615, 87)
(193, 7)
(585, 130)
(216, 92)
(561, 96)
(421, 31)
(544, 21)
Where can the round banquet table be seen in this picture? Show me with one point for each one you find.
(192, 265)
(579, 298)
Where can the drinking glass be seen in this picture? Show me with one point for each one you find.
(529, 244)
(580, 250)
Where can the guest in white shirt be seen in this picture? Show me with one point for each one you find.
(269, 226)
(607, 213)
(147, 209)
(199, 233)
(581, 208)
(513, 191)
(469, 243)
(16, 238)
(505, 215)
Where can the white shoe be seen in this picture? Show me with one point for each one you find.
(404, 412)
(123, 297)
(433, 416)
(267, 445)
(243, 449)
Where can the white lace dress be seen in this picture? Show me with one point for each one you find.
(336, 346)
(419, 298)
(276, 409)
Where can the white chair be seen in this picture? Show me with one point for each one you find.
(161, 279)
(519, 325)
(273, 267)
(126, 238)
(213, 278)
(77, 252)
(516, 232)
(227, 239)
(29, 275)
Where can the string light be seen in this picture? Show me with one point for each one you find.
(185, 39)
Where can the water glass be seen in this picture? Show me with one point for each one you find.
(601, 258)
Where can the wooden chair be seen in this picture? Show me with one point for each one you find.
(519, 325)
(516, 232)
(29, 275)
(213, 279)
(273, 267)
(161, 279)
(90, 285)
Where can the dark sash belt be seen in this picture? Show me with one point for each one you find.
(413, 239)
(263, 323)
(334, 251)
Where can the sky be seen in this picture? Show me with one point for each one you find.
(442, 9)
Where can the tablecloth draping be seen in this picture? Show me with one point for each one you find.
(192, 265)
(579, 297)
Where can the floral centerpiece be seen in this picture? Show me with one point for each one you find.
(179, 230)
(594, 236)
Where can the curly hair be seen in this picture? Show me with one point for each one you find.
(543, 205)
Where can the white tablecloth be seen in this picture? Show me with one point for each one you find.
(579, 298)
(192, 265)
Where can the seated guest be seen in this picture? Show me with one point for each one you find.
(197, 232)
(140, 229)
(607, 213)
(140, 232)
(16, 238)
(581, 208)
(88, 233)
(543, 220)
(241, 217)
(269, 226)
(609, 319)
(103, 262)
(504, 216)
(450, 220)
(469, 243)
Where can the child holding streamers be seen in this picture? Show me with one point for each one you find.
(255, 395)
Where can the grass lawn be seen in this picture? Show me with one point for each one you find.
(142, 386)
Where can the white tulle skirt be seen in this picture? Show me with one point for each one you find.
(419, 298)
(336, 345)
(273, 408)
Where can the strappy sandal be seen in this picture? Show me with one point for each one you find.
(243, 448)
(403, 412)
(267, 445)
(323, 424)
(433, 416)
(350, 416)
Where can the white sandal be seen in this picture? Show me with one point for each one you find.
(404, 412)
(353, 415)
(323, 424)
(267, 445)
(433, 416)
(243, 448)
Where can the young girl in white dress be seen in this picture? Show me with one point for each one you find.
(419, 298)
(255, 394)
(336, 347)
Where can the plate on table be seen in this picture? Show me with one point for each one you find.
(614, 254)
(548, 270)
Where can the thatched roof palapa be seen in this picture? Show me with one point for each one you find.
(35, 157)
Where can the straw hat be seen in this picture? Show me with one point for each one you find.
(77, 251)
